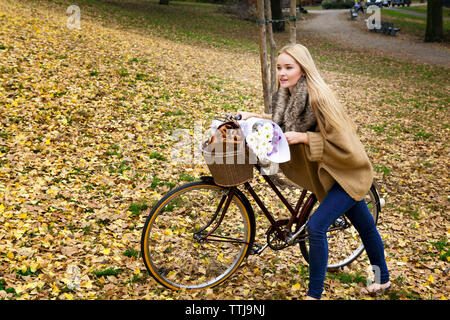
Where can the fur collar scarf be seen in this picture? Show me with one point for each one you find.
(293, 113)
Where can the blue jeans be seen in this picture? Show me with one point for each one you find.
(336, 203)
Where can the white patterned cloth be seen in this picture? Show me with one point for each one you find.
(264, 137)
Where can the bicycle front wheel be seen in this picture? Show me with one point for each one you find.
(177, 247)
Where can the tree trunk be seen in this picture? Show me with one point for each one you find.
(272, 45)
(434, 30)
(263, 55)
(292, 23)
(277, 14)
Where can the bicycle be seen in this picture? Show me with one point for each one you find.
(198, 234)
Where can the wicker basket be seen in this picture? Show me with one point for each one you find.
(230, 164)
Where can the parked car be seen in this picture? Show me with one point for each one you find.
(378, 3)
(401, 3)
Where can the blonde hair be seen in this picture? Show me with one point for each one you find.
(322, 98)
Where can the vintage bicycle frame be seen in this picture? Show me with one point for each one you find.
(299, 214)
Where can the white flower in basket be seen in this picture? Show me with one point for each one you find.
(264, 137)
(261, 139)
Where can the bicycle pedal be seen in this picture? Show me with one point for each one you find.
(256, 248)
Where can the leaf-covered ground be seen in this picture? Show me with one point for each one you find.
(86, 123)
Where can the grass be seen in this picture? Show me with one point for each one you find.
(411, 24)
(431, 83)
(203, 24)
(308, 8)
(158, 156)
(347, 278)
(4, 287)
(334, 58)
(423, 9)
(132, 253)
(443, 247)
(107, 272)
(137, 208)
(200, 23)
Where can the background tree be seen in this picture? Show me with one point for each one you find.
(434, 29)
(277, 14)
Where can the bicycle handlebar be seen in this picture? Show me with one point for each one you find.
(234, 117)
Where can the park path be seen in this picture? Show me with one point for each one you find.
(335, 26)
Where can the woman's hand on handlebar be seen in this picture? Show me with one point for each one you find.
(293, 137)
(246, 115)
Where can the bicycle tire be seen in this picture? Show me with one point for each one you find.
(373, 203)
(171, 245)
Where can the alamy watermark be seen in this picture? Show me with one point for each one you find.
(187, 147)
(373, 270)
(74, 20)
(194, 146)
(200, 146)
(374, 21)
(74, 277)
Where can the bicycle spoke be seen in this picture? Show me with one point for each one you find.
(178, 238)
(213, 237)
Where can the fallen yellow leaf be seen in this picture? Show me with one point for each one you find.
(34, 266)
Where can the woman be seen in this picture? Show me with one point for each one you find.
(327, 158)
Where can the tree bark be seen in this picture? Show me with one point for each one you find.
(293, 13)
(434, 28)
(277, 14)
(273, 71)
(263, 54)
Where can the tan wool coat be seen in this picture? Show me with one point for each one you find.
(331, 156)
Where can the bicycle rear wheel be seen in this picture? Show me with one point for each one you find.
(344, 243)
(174, 248)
